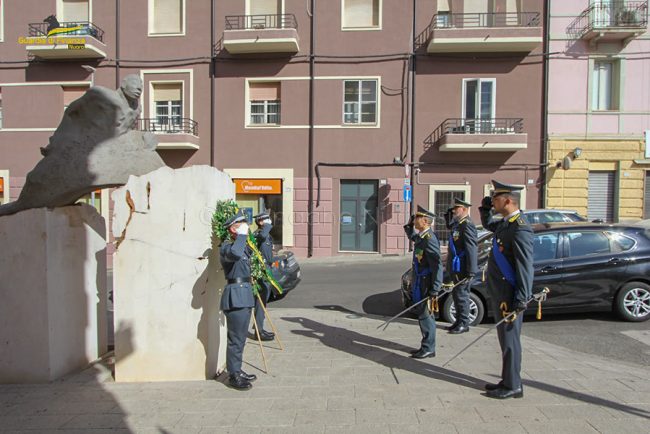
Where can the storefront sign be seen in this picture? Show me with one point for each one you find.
(258, 186)
(2, 185)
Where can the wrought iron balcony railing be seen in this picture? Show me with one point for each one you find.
(613, 14)
(76, 28)
(171, 125)
(478, 126)
(488, 19)
(259, 22)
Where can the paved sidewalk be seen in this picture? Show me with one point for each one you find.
(339, 374)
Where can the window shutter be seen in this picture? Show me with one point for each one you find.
(443, 6)
(361, 13)
(265, 7)
(167, 92)
(74, 10)
(264, 91)
(71, 93)
(168, 16)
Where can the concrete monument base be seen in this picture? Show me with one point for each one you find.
(167, 276)
(53, 289)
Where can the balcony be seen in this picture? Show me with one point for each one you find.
(172, 133)
(490, 135)
(261, 34)
(482, 32)
(70, 40)
(614, 20)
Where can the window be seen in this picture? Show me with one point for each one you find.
(361, 14)
(479, 105)
(71, 93)
(443, 17)
(545, 247)
(168, 106)
(587, 243)
(620, 242)
(604, 86)
(74, 11)
(0, 108)
(264, 7)
(2, 20)
(360, 102)
(166, 17)
(264, 103)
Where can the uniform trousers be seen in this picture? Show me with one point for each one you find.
(510, 341)
(427, 323)
(237, 321)
(460, 295)
(265, 293)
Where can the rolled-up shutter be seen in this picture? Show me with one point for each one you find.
(646, 197)
(601, 196)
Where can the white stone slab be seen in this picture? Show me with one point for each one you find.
(53, 289)
(168, 326)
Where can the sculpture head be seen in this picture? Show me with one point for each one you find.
(132, 86)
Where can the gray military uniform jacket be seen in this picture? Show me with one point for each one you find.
(265, 243)
(465, 240)
(426, 251)
(235, 260)
(514, 238)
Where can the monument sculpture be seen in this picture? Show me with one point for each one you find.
(95, 146)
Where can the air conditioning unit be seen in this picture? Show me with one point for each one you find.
(628, 18)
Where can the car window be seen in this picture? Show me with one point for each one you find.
(550, 217)
(545, 246)
(531, 217)
(574, 217)
(587, 243)
(621, 242)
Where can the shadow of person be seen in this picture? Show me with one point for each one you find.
(406, 318)
(205, 295)
(379, 351)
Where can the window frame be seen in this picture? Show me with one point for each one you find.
(266, 114)
(567, 249)
(2, 21)
(360, 102)
(150, 21)
(345, 28)
(616, 84)
(479, 81)
(558, 246)
(59, 10)
(153, 113)
(247, 8)
(249, 101)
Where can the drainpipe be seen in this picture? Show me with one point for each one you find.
(117, 44)
(310, 171)
(547, 15)
(412, 95)
(213, 65)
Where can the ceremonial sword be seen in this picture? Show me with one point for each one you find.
(443, 292)
(539, 297)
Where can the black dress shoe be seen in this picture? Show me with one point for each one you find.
(267, 336)
(458, 330)
(453, 326)
(415, 351)
(248, 377)
(238, 382)
(503, 393)
(424, 354)
(493, 386)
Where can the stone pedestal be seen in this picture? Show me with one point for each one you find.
(53, 289)
(168, 326)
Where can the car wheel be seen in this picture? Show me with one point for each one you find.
(476, 310)
(633, 302)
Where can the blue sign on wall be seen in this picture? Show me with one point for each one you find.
(407, 194)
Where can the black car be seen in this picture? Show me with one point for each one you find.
(588, 267)
(286, 271)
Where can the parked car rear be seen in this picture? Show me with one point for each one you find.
(588, 267)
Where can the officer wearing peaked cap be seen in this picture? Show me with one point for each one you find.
(265, 245)
(237, 298)
(510, 280)
(427, 277)
(461, 260)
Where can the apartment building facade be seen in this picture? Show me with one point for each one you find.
(330, 114)
(599, 109)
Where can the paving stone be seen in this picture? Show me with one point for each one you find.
(356, 403)
(559, 427)
(211, 419)
(575, 412)
(96, 421)
(448, 415)
(506, 414)
(325, 417)
(36, 422)
(440, 428)
(358, 429)
(385, 416)
(613, 426)
(327, 392)
(489, 427)
(269, 418)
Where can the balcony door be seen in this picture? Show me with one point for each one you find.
(263, 13)
(479, 105)
(73, 11)
(603, 13)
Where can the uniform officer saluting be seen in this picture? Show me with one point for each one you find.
(237, 299)
(427, 277)
(265, 245)
(510, 280)
(461, 260)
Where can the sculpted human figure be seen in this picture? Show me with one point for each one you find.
(95, 146)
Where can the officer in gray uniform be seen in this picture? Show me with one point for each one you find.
(265, 246)
(237, 298)
(510, 280)
(462, 256)
(427, 277)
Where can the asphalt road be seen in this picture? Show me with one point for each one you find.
(372, 288)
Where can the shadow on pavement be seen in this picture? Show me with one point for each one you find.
(376, 350)
(384, 304)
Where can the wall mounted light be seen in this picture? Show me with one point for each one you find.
(577, 152)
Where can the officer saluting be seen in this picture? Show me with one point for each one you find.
(265, 245)
(461, 260)
(237, 299)
(427, 277)
(510, 280)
